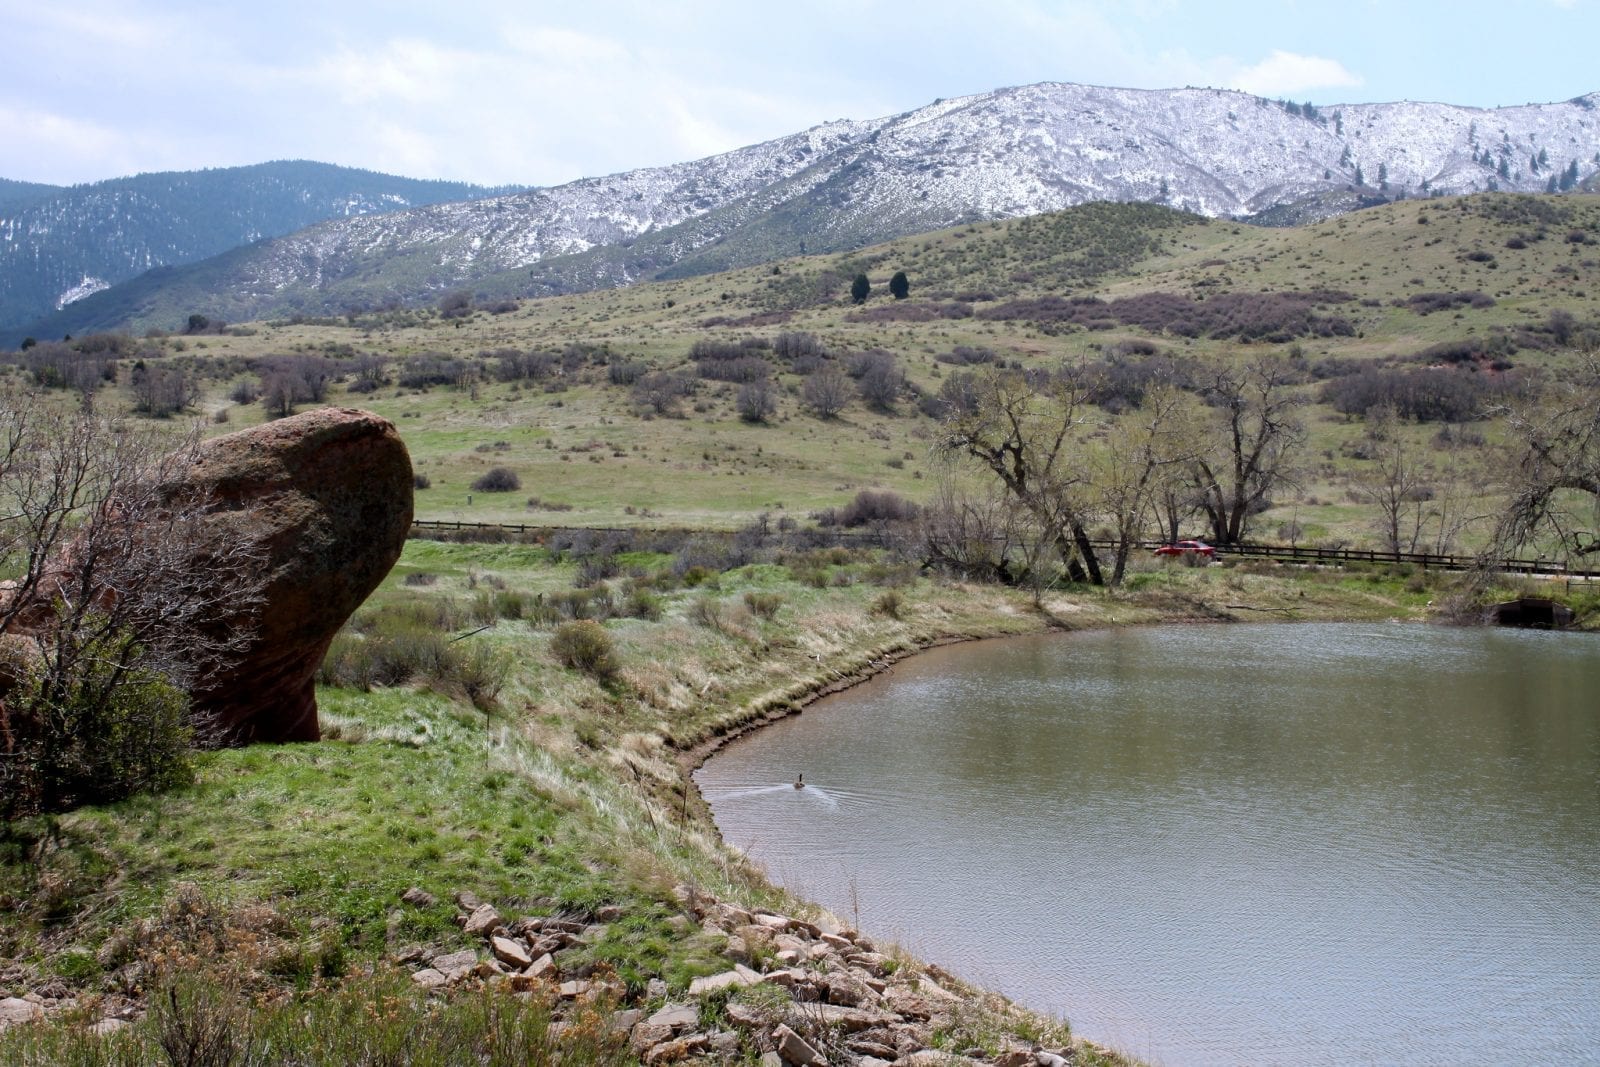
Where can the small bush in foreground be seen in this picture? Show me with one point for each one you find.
(100, 736)
(585, 646)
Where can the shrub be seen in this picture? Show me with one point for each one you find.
(966, 356)
(432, 368)
(756, 402)
(826, 392)
(929, 312)
(642, 604)
(764, 605)
(1428, 303)
(106, 735)
(593, 602)
(498, 480)
(409, 642)
(707, 611)
(421, 481)
(477, 672)
(585, 646)
(889, 604)
(626, 373)
(1274, 317)
(740, 370)
(697, 575)
(792, 345)
(660, 391)
(705, 553)
(211, 1015)
(1423, 395)
(881, 381)
(870, 507)
(514, 366)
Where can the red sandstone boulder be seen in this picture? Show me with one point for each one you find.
(329, 493)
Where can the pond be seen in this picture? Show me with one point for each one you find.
(1299, 844)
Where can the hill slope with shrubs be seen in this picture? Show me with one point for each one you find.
(722, 481)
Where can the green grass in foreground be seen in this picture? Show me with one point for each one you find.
(566, 794)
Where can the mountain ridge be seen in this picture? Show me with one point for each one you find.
(60, 244)
(844, 184)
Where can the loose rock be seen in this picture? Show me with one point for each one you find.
(429, 978)
(14, 1010)
(795, 1049)
(483, 919)
(455, 961)
(676, 1017)
(679, 1049)
(510, 952)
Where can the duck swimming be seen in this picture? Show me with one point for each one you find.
(800, 781)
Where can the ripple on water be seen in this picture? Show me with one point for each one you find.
(1307, 844)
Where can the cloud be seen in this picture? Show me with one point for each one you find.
(1284, 73)
(88, 25)
(526, 102)
(72, 146)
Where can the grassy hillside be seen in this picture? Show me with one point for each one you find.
(463, 756)
(1481, 289)
(276, 879)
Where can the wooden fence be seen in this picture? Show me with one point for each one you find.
(1291, 553)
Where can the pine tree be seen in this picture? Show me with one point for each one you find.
(899, 285)
(860, 289)
(1569, 177)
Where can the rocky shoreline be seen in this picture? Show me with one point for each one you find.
(797, 991)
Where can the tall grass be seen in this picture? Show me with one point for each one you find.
(373, 1019)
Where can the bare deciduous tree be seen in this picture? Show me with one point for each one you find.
(161, 391)
(881, 381)
(661, 392)
(1136, 460)
(1257, 432)
(127, 590)
(826, 391)
(1021, 428)
(1554, 501)
(1398, 483)
(982, 532)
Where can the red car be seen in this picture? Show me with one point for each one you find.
(1187, 548)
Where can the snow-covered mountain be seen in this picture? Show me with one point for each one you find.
(1007, 153)
(60, 245)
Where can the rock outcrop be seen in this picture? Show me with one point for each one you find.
(329, 495)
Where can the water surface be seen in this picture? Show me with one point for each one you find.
(1219, 844)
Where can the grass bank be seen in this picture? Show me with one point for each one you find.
(474, 762)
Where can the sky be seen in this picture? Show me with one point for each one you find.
(536, 93)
